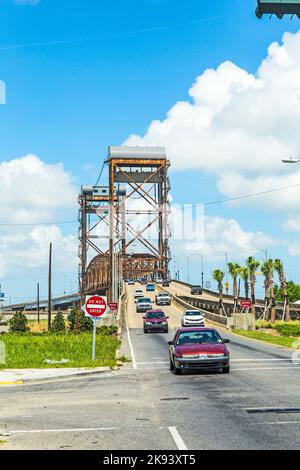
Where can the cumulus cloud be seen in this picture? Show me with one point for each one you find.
(32, 192)
(238, 123)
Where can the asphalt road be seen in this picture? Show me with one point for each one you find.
(144, 406)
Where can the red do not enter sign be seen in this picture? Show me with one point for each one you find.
(95, 306)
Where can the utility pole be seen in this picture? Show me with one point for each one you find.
(50, 287)
(38, 302)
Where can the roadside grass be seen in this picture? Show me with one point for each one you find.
(288, 342)
(30, 350)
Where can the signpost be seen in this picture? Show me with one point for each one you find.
(95, 307)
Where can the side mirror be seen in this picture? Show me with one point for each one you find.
(168, 318)
(171, 343)
(226, 341)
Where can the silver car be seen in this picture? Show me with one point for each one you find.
(143, 305)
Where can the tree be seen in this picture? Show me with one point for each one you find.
(268, 272)
(234, 271)
(278, 265)
(78, 321)
(244, 273)
(293, 292)
(218, 276)
(252, 265)
(19, 323)
(58, 323)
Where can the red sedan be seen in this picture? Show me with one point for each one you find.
(198, 348)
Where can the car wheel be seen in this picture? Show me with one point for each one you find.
(171, 365)
(167, 330)
(145, 331)
(176, 370)
(226, 370)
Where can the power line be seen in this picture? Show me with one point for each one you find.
(247, 196)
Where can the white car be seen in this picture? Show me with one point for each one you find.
(159, 281)
(193, 318)
(139, 294)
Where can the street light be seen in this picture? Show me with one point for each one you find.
(291, 160)
(265, 252)
(188, 267)
(225, 253)
(202, 273)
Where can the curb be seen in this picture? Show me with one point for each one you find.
(60, 377)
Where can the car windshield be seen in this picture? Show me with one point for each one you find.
(156, 315)
(138, 291)
(192, 314)
(199, 337)
(196, 287)
(144, 300)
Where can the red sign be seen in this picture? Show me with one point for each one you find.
(113, 306)
(246, 303)
(95, 306)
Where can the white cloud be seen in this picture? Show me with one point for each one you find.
(32, 192)
(239, 123)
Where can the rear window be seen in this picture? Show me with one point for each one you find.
(198, 337)
(156, 315)
(192, 314)
(144, 300)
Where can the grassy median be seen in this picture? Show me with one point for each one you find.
(48, 350)
(289, 342)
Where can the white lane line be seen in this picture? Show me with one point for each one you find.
(134, 363)
(295, 367)
(153, 362)
(41, 431)
(261, 360)
(177, 438)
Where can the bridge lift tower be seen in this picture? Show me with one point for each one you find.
(139, 220)
(123, 227)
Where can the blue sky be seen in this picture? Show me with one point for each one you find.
(86, 74)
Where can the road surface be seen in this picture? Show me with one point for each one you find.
(144, 406)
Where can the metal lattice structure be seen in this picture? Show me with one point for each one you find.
(108, 230)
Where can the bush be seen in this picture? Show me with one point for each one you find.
(19, 323)
(288, 329)
(58, 324)
(84, 323)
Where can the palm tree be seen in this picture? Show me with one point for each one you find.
(268, 271)
(234, 271)
(278, 265)
(218, 276)
(244, 273)
(253, 265)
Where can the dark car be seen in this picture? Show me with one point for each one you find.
(143, 305)
(196, 290)
(198, 348)
(166, 283)
(156, 320)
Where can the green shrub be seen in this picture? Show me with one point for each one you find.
(58, 324)
(288, 329)
(19, 323)
(84, 323)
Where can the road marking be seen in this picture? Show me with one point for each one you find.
(153, 362)
(134, 363)
(41, 431)
(295, 367)
(261, 360)
(177, 438)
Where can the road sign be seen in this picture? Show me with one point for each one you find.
(95, 306)
(113, 306)
(246, 304)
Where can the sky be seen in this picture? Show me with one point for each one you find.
(217, 87)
